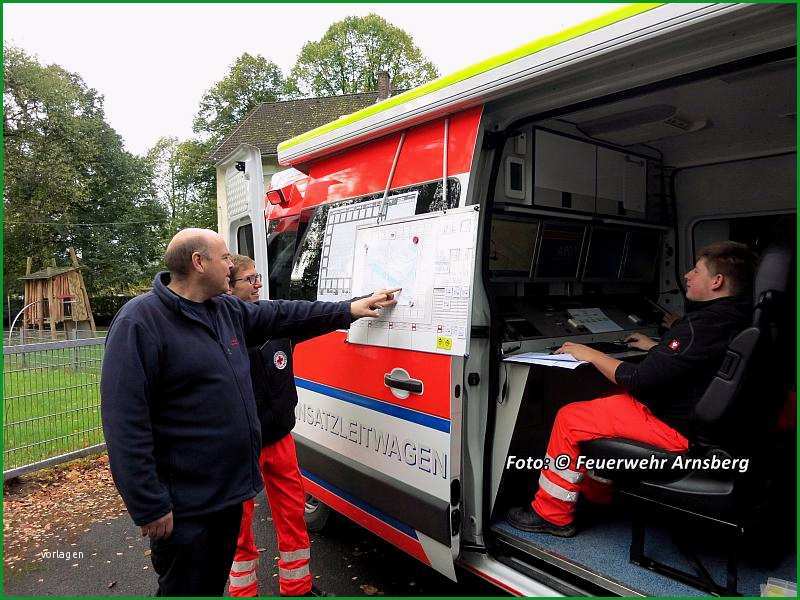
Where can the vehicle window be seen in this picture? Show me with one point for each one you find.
(305, 272)
(244, 240)
(757, 232)
(281, 238)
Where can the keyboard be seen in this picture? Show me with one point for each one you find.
(609, 347)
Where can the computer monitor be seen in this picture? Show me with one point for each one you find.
(559, 253)
(511, 248)
(641, 256)
(604, 256)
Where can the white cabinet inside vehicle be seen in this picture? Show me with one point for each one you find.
(570, 173)
(564, 173)
(621, 183)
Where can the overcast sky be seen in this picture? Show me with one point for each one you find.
(154, 62)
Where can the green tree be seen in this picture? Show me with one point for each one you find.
(250, 81)
(183, 181)
(186, 182)
(348, 58)
(70, 182)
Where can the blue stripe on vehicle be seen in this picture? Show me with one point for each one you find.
(399, 525)
(406, 414)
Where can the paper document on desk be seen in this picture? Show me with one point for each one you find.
(594, 319)
(563, 361)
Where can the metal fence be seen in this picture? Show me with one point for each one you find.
(21, 336)
(51, 395)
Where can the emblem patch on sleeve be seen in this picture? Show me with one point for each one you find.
(674, 345)
(280, 360)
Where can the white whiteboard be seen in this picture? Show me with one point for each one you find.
(432, 257)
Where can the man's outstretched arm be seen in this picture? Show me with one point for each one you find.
(305, 319)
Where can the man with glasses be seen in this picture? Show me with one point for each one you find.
(178, 410)
(276, 397)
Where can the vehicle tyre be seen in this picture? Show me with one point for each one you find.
(316, 514)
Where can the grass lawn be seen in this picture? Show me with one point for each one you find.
(51, 403)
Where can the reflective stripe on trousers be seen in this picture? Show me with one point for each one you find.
(568, 474)
(242, 580)
(296, 573)
(302, 554)
(556, 491)
(242, 566)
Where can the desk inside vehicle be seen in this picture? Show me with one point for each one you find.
(531, 397)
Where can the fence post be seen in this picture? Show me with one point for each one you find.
(73, 334)
(22, 342)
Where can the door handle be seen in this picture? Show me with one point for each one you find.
(401, 384)
(408, 385)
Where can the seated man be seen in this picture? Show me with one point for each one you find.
(663, 388)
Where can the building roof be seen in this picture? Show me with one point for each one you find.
(272, 122)
(49, 272)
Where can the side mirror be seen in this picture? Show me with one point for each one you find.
(275, 197)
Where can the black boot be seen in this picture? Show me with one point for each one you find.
(527, 519)
(315, 591)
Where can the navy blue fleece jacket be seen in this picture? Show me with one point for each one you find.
(177, 402)
(677, 371)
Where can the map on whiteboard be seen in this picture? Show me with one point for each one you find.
(432, 258)
(391, 262)
(338, 244)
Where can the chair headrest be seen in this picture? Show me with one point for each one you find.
(773, 270)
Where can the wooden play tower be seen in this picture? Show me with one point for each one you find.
(57, 296)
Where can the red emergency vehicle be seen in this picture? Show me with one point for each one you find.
(599, 159)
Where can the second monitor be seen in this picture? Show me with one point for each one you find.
(559, 253)
(605, 254)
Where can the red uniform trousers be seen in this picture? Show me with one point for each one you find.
(286, 497)
(619, 416)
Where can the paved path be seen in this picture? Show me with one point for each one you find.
(346, 561)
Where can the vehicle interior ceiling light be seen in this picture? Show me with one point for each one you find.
(641, 125)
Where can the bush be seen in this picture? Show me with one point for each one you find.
(105, 307)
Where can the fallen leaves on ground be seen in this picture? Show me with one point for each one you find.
(369, 590)
(51, 508)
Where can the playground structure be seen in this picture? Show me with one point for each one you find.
(56, 296)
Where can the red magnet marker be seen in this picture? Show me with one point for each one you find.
(415, 239)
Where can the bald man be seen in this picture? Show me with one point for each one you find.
(178, 410)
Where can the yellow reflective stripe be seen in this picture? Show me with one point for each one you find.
(240, 566)
(567, 474)
(297, 573)
(289, 556)
(243, 580)
(499, 60)
(556, 491)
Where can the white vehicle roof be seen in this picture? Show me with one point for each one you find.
(500, 75)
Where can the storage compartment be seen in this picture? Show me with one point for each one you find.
(564, 172)
(578, 175)
(621, 184)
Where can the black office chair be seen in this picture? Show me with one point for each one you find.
(732, 419)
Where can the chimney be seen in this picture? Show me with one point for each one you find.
(384, 86)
